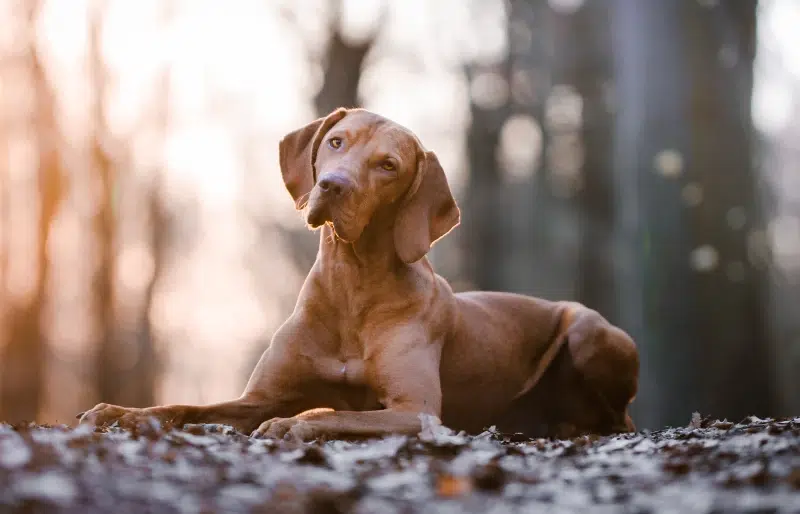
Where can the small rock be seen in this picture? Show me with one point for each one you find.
(489, 477)
(314, 456)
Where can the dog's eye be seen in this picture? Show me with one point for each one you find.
(388, 166)
(335, 142)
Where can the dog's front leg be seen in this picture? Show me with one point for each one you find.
(402, 367)
(241, 413)
(318, 423)
(277, 387)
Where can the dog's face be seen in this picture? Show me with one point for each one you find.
(349, 166)
(363, 163)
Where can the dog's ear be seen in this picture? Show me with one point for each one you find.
(427, 213)
(298, 151)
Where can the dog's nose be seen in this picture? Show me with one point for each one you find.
(335, 184)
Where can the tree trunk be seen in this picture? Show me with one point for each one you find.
(110, 383)
(343, 63)
(596, 287)
(521, 232)
(653, 272)
(23, 355)
(682, 161)
(729, 319)
(486, 237)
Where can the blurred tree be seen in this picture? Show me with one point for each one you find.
(142, 375)
(590, 31)
(107, 370)
(139, 368)
(342, 64)
(23, 355)
(5, 211)
(556, 231)
(683, 170)
(486, 238)
(485, 229)
(520, 225)
(125, 362)
(727, 285)
(139, 376)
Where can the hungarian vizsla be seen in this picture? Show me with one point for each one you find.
(377, 338)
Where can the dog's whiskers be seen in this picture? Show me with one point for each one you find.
(303, 200)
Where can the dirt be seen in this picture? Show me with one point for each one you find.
(707, 466)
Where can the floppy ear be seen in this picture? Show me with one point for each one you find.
(298, 151)
(428, 212)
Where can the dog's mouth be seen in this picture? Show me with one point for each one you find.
(322, 212)
(319, 213)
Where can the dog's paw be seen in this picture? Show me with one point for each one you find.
(104, 414)
(287, 429)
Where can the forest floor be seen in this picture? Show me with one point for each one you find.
(707, 466)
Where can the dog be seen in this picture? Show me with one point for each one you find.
(378, 339)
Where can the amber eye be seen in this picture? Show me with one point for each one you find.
(335, 142)
(388, 166)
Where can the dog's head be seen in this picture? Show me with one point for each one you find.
(354, 165)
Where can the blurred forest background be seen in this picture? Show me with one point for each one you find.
(642, 157)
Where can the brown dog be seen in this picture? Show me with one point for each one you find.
(377, 338)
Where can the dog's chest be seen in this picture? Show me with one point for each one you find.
(350, 348)
(350, 327)
(351, 356)
(340, 371)
(352, 315)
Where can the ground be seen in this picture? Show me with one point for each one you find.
(707, 466)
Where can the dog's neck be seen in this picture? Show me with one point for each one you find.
(372, 255)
